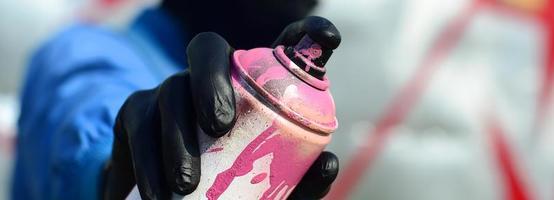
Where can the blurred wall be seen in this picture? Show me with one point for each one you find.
(428, 84)
(441, 148)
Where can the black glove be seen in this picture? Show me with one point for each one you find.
(155, 143)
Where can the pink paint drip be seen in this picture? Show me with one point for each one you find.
(284, 158)
(258, 178)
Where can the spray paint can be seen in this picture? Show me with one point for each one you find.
(285, 115)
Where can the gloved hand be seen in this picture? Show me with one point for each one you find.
(155, 143)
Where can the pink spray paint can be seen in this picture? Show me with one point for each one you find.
(285, 115)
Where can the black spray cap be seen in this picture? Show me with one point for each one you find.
(310, 56)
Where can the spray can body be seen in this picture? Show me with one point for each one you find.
(284, 121)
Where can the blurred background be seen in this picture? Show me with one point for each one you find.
(436, 99)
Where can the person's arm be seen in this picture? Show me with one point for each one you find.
(74, 89)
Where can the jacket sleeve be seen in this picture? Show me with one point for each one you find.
(73, 91)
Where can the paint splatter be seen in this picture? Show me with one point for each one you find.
(281, 179)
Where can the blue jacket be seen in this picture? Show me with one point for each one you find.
(74, 87)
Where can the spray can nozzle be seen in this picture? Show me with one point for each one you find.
(309, 56)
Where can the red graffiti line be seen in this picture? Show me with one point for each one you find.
(401, 105)
(547, 87)
(545, 16)
(513, 184)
